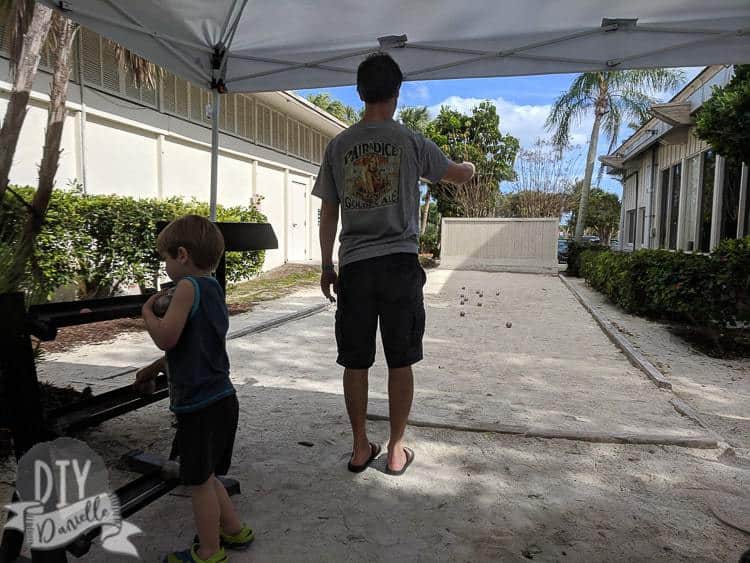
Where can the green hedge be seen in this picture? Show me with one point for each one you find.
(575, 249)
(705, 290)
(101, 243)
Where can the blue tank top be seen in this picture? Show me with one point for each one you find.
(198, 366)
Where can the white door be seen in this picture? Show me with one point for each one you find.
(297, 249)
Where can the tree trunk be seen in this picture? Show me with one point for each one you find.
(590, 160)
(65, 32)
(426, 212)
(28, 62)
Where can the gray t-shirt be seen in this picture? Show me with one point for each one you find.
(373, 170)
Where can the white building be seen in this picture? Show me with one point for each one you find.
(678, 193)
(141, 142)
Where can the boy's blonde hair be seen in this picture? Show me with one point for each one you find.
(199, 236)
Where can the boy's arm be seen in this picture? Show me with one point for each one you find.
(165, 332)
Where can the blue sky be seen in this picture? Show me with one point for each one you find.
(523, 104)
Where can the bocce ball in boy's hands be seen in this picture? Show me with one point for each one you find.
(162, 301)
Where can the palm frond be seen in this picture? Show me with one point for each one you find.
(144, 72)
(571, 106)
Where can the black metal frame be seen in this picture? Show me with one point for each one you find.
(19, 386)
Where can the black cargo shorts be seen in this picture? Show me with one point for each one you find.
(386, 289)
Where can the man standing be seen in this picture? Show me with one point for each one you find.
(372, 171)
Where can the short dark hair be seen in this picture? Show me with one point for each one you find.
(200, 237)
(378, 78)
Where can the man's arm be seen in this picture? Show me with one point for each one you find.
(329, 221)
(458, 173)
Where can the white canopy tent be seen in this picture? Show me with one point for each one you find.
(267, 45)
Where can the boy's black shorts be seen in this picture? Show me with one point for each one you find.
(389, 289)
(205, 439)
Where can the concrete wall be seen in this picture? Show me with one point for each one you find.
(492, 244)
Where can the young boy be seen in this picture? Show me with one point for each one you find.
(193, 334)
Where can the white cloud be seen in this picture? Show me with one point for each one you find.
(414, 93)
(525, 122)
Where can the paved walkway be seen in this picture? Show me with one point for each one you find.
(469, 496)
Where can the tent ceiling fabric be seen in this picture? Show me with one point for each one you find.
(287, 44)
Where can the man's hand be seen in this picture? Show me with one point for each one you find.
(328, 279)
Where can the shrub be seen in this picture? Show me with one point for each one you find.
(429, 242)
(575, 249)
(103, 242)
(708, 291)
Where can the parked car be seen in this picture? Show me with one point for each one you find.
(591, 239)
(614, 244)
(563, 247)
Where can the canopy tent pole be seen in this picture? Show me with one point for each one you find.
(215, 103)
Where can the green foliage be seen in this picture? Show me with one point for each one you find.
(415, 118)
(336, 108)
(104, 242)
(723, 121)
(476, 138)
(619, 96)
(708, 291)
(575, 251)
(603, 216)
(429, 241)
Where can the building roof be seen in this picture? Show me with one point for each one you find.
(667, 117)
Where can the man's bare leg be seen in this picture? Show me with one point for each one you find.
(355, 394)
(400, 394)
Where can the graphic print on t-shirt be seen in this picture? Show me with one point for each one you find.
(372, 174)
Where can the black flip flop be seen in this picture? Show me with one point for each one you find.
(374, 452)
(409, 458)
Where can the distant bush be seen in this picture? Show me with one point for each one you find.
(429, 242)
(102, 242)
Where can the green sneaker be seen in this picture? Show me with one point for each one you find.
(191, 556)
(239, 541)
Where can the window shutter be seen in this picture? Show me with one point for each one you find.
(293, 137)
(316, 147)
(231, 112)
(264, 125)
(241, 116)
(91, 56)
(279, 131)
(181, 97)
(305, 142)
(110, 70)
(4, 36)
(206, 101)
(250, 117)
(168, 92)
(196, 103)
(148, 94)
(131, 90)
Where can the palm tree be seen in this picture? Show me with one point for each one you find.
(324, 101)
(418, 119)
(29, 27)
(616, 97)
